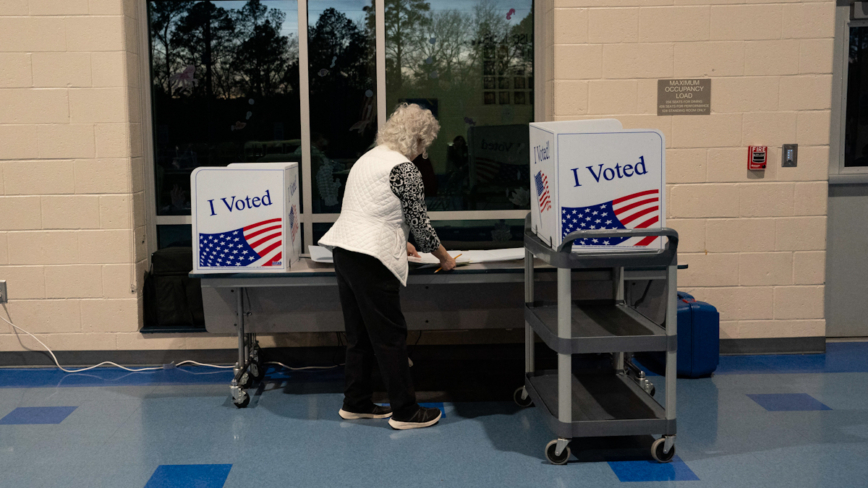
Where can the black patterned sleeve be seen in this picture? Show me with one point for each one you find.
(406, 181)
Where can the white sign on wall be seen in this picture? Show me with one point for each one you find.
(245, 218)
(592, 175)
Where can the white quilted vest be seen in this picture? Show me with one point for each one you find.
(371, 220)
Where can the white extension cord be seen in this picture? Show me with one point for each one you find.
(304, 367)
(153, 368)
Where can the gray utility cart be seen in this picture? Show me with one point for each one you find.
(620, 401)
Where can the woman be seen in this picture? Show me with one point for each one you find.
(384, 198)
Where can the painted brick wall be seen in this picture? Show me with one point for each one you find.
(755, 243)
(71, 189)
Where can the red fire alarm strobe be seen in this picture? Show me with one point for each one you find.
(757, 157)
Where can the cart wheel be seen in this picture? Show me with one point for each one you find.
(524, 403)
(657, 451)
(242, 401)
(550, 453)
(244, 381)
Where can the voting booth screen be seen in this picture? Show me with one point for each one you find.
(593, 175)
(245, 218)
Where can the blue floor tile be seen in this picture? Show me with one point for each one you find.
(637, 471)
(788, 402)
(36, 415)
(190, 476)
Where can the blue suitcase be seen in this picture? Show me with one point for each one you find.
(698, 340)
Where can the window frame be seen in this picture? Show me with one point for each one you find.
(838, 172)
(308, 217)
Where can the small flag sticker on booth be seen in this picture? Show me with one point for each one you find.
(293, 222)
(257, 244)
(637, 211)
(542, 189)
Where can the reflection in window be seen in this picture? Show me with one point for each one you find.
(856, 138)
(224, 88)
(471, 63)
(343, 87)
(466, 234)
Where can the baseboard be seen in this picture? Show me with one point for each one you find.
(126, 358)
(781, 345)
(329, 355)
(287, 355)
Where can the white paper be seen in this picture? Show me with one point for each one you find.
(425, 258)
(320, 254)
(494, 255)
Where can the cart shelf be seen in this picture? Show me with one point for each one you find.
(598, 326)
(603, 404)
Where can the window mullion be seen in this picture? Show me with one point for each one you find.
(304, 103)
(381, 62)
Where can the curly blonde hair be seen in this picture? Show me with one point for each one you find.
(409, 130)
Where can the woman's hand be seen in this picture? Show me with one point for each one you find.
(411, 251)
(447, 263)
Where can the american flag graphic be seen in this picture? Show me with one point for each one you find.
(293, 222)
(542, 191)
(637, 211)
(257, 244)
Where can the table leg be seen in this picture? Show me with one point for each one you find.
(240, 397)
(239, 311)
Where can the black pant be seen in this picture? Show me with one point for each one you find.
(375, 328)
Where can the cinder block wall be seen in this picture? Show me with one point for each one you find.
(755, 243)
(71, 190)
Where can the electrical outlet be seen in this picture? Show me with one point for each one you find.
(3, 297)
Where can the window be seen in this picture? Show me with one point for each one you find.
(471, 64)
(343, 87)
(856, 122)
(226, 87)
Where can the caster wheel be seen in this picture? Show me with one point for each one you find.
(255, 370)
(242, 401)
(244, 381)
(521, 402)
(550, 453)
(652, 390)
(657, 451)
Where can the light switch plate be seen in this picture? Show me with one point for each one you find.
(3, 297)
(790, 156)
